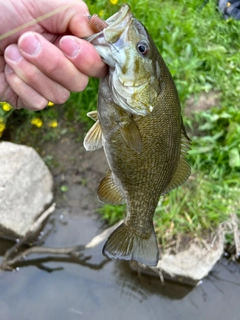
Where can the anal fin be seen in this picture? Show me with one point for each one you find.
(108, 191)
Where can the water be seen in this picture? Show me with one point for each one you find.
(57, 288)
(48, 287)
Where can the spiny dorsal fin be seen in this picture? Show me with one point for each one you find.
(131, 134)
(93, 139)
(108, 191)
(183, 170)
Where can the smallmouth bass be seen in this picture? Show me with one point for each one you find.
(139, 125)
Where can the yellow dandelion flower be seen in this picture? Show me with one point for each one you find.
(101, 13)
(37, 122)
(6, 106)
(114, 1)
(53, 124)
(50, 104)
(2, 128)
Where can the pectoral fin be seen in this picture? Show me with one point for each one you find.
(131, 134)
(93, 139)
(108, 191)
(183, 170)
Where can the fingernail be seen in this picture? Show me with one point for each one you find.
(8, 69)
(13, 53)
(69, 46)
(29, 44)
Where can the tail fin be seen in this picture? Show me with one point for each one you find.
(123, 244)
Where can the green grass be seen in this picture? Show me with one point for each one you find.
(199, 205)
(202, 52)
(112, 214)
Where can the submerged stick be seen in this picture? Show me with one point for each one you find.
(73, 251)
(102, 236)
(32, 230)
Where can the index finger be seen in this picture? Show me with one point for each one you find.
(84, 56)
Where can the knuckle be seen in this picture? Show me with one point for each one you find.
(29, 74)
(51, 68)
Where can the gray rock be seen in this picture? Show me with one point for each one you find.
(191, 262)
(195, 261)
(25, 188)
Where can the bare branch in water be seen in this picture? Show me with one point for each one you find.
(31, 231)
(73, 251)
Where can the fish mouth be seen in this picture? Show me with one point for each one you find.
(117, 26)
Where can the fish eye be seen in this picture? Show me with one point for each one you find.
(143, 48)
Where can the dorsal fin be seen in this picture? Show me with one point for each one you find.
(183, 170)
(108, 191)
(93, 139)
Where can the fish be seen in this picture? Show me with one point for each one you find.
(138, 122)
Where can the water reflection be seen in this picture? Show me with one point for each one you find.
(93, 287)
(132, 283)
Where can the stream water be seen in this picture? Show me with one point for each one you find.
(45, 287)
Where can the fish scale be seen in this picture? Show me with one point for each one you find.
(139, 125)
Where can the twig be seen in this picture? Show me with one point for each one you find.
(159, 272)
(102, 236)
(42, 250)
(69, 251)
(38, 19)
(32, 230)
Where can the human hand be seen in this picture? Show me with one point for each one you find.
(47, 60)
